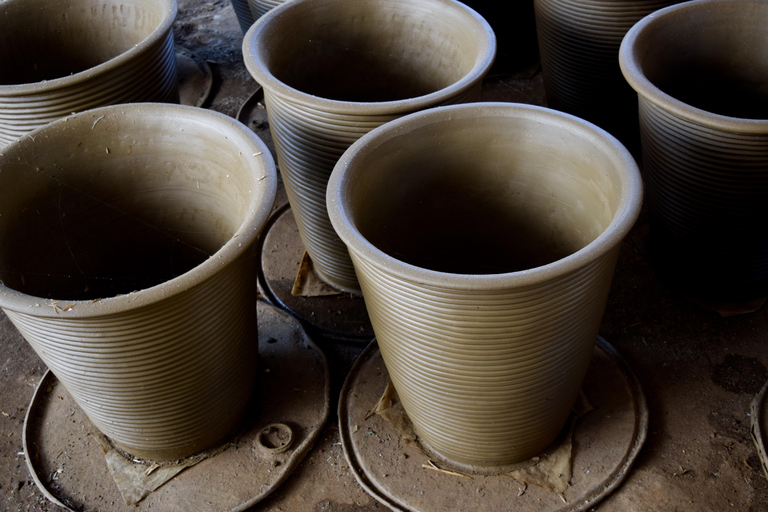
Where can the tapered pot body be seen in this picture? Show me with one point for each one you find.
(334, 70)
(81, 54)
(701, 73)
(484, 237)
(244, 15)
(579, 43)
(260, 7)
(126, 263)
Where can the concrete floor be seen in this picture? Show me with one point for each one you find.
(699, 370)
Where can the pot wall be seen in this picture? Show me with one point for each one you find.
(579, 45)
(705, 148)
(126, 263)
(485, 237)
(244, 15)
(332, 71)
(80, 55)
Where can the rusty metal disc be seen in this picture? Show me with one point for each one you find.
(68, 466)
(606, 442)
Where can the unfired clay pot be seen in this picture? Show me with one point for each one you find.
(260, 7)
(126, 262)
(333, 70)
(244, 15)
(701, 76)
(579, 44)
(73, 55)
(484, 237)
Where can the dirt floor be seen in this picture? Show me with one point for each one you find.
(699, 371)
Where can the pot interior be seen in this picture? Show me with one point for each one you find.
(712, 56)
(41, 41)
(129, 205)
(371, 51)
(488, 195)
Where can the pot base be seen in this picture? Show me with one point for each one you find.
(606, 442)
(340, 317)
(68, 466)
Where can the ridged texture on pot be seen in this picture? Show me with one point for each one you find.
(309, 142)
(311, 132)
(486, 347)
(260, 7)
(708, 201)
(244, 15)
(487, 377)
(159, 381)
(175, 194)
(579, 43)
(705, 147)
(144, 72)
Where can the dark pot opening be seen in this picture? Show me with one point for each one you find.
(484, 196)
(714, 57)
(367, 51)
(84, 224)
(39, 41)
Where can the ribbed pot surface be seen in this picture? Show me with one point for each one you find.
(80, 55)
(700, 76)
(260, 7)
(332, 71)
(579, 44)
(244, 15)
(126, 263)
(485, 237)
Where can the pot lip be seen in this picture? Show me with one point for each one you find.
(240, 243)
(159, 32)
(628, 208)
(256, 66)
(630, 68)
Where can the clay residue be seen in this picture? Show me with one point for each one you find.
(390, 408)
(307, 284)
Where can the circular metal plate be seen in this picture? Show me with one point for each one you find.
(606, 442)
(341, 317)
(67, 463)
(759, 415)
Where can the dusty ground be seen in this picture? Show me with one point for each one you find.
(699, 371)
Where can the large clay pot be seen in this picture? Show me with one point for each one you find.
(701, 76)
(244, 15)
(81, 54)
(579, 44)
(333, 70)
(260, 7)
(484, 237)
(126, 262)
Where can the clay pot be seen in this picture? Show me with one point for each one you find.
(579, 44)
(484, 237)
(333, 70)
(81, 54)
(244, 15)
(126, 262)
(700, 75)
(260, 7)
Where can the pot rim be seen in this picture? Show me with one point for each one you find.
(628, 207)
(257, 67)
(240, 242)
(165, 25)
(629, 63)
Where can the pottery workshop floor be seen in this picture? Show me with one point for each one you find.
(699, 371)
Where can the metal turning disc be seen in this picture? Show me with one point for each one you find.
(195, 78)
(759, 414)
(341, 317)
(68, 465)
(253, 114)
(606, 441)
